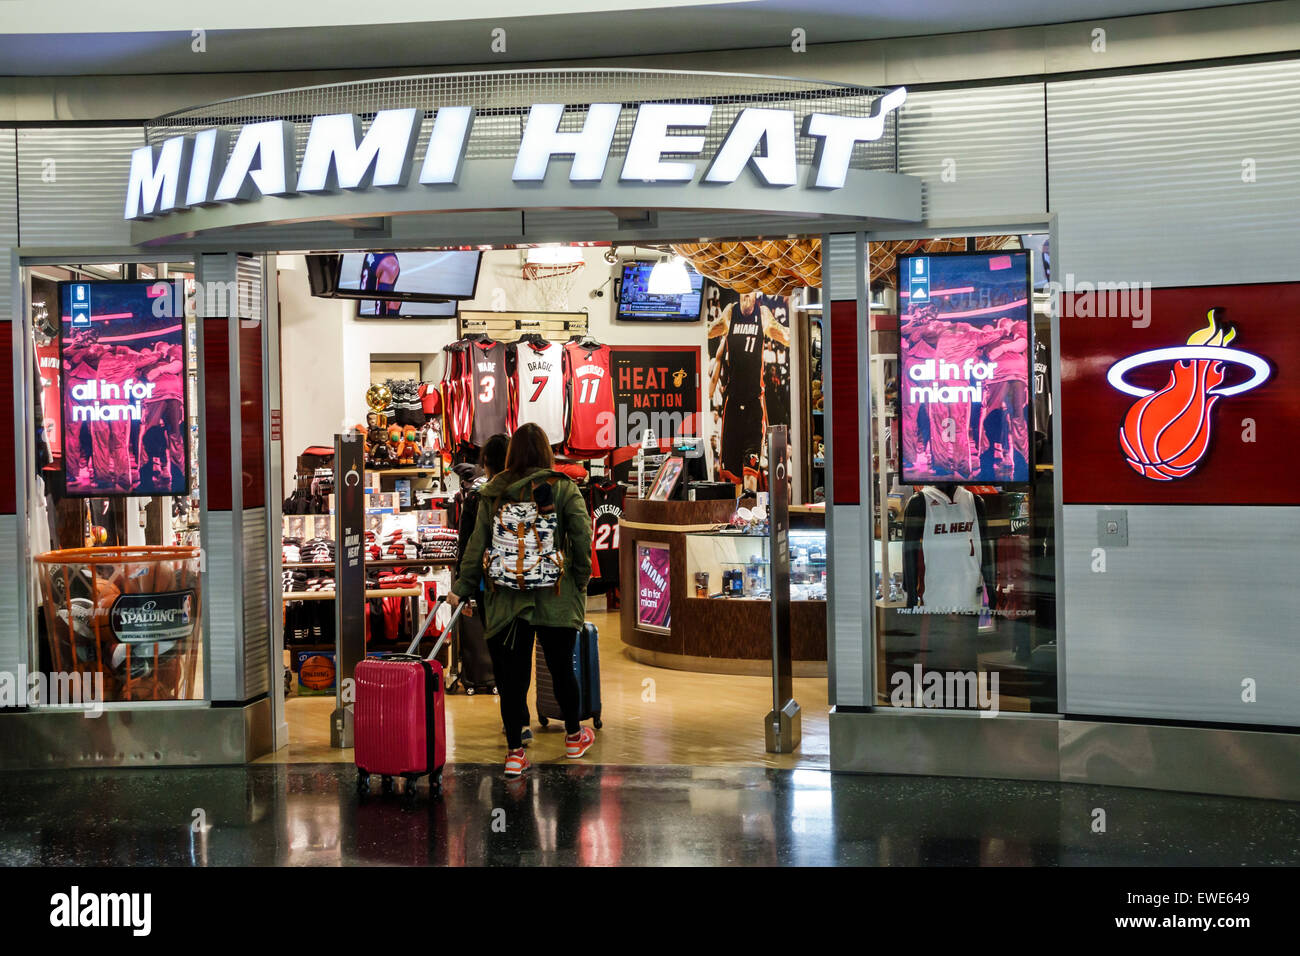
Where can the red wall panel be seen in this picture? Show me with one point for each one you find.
(1095, 469)
(8, 494)
(843, 354)
(252, 454)
(216, 396)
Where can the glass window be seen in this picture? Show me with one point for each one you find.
(962, 478)
(114, 499)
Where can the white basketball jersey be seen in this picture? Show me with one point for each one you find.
(540, 374)
(950, 548)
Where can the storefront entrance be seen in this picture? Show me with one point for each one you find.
(278, 362)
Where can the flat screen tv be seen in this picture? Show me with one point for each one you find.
(637, 304)
(387, 309)
(965, 347)
(409, 276)
(123, 363)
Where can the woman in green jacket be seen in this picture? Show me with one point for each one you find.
(553, 614)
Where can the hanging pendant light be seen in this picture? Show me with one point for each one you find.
(669, 277)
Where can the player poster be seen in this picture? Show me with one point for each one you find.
(749, 379)
(123, 408)
(965, 349)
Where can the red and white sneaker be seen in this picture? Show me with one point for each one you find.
(516, 763)
(575, 745)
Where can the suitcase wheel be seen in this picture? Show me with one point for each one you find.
(469, 690)
(435, 785)
(596, 721)
(543, 721)
(363, 782)
(387, 786)
(495, 692)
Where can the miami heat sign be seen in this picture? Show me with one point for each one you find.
(1166, 433)
(220, 165)
(1196, 404)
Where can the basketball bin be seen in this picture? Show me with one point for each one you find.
(132, 614)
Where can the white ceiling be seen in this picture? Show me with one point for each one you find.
(93, 37)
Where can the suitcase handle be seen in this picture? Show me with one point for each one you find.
(446, 632)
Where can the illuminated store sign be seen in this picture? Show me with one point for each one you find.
(190, 170)
(1166, 432)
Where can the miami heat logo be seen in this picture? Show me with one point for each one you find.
(1166, 433)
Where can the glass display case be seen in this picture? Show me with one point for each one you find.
(726, 565)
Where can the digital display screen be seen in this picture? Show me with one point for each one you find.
(636, 302)
(450, 274)
(124, 410)
(375, 309)
(965, 347)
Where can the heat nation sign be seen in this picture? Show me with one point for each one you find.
(204, 168)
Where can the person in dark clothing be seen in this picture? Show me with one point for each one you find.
(549, 611)
(492, 459)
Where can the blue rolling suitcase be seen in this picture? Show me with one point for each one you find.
(586, 665)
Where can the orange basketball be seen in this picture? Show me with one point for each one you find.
(317, 672)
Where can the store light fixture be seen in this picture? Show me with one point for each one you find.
(669, 277)
(554, 255)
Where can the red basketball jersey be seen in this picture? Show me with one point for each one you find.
(589, 400)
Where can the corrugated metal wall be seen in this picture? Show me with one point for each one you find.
(8, 212)
(72, 185)
(1147, 175)
(979, 152)
(1150, 177)
(1201, 600)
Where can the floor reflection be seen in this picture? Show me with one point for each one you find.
(591, 815)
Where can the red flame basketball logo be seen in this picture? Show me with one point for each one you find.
(1166, 433)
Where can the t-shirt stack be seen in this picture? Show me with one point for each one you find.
(438, 544)
(398, 546)
(308, 622)
(291, 551)
(318, 551)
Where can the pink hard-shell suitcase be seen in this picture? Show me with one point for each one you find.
(399, 724)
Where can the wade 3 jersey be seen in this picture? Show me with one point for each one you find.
(489, 391)
(950, 550)
(540, 387)
(590, 399)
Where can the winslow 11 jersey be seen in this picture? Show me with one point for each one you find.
(539, 374)
(590, 400)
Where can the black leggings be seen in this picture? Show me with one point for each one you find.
(513, 668)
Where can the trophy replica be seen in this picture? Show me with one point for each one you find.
(378, 398)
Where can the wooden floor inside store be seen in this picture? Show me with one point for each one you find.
(651, 716)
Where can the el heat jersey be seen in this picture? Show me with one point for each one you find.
(590, 399)
(489, 391)
(950, 552)
(606, 510)
(539, 372)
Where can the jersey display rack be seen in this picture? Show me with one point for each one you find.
(491, 387)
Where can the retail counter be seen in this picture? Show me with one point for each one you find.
(728, 635)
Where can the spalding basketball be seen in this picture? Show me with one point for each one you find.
(317, 673)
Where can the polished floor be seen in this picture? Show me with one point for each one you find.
(651, 716)
(589, 814)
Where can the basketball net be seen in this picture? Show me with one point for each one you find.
(553, 283)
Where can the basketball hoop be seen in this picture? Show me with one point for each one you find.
(555, 282)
